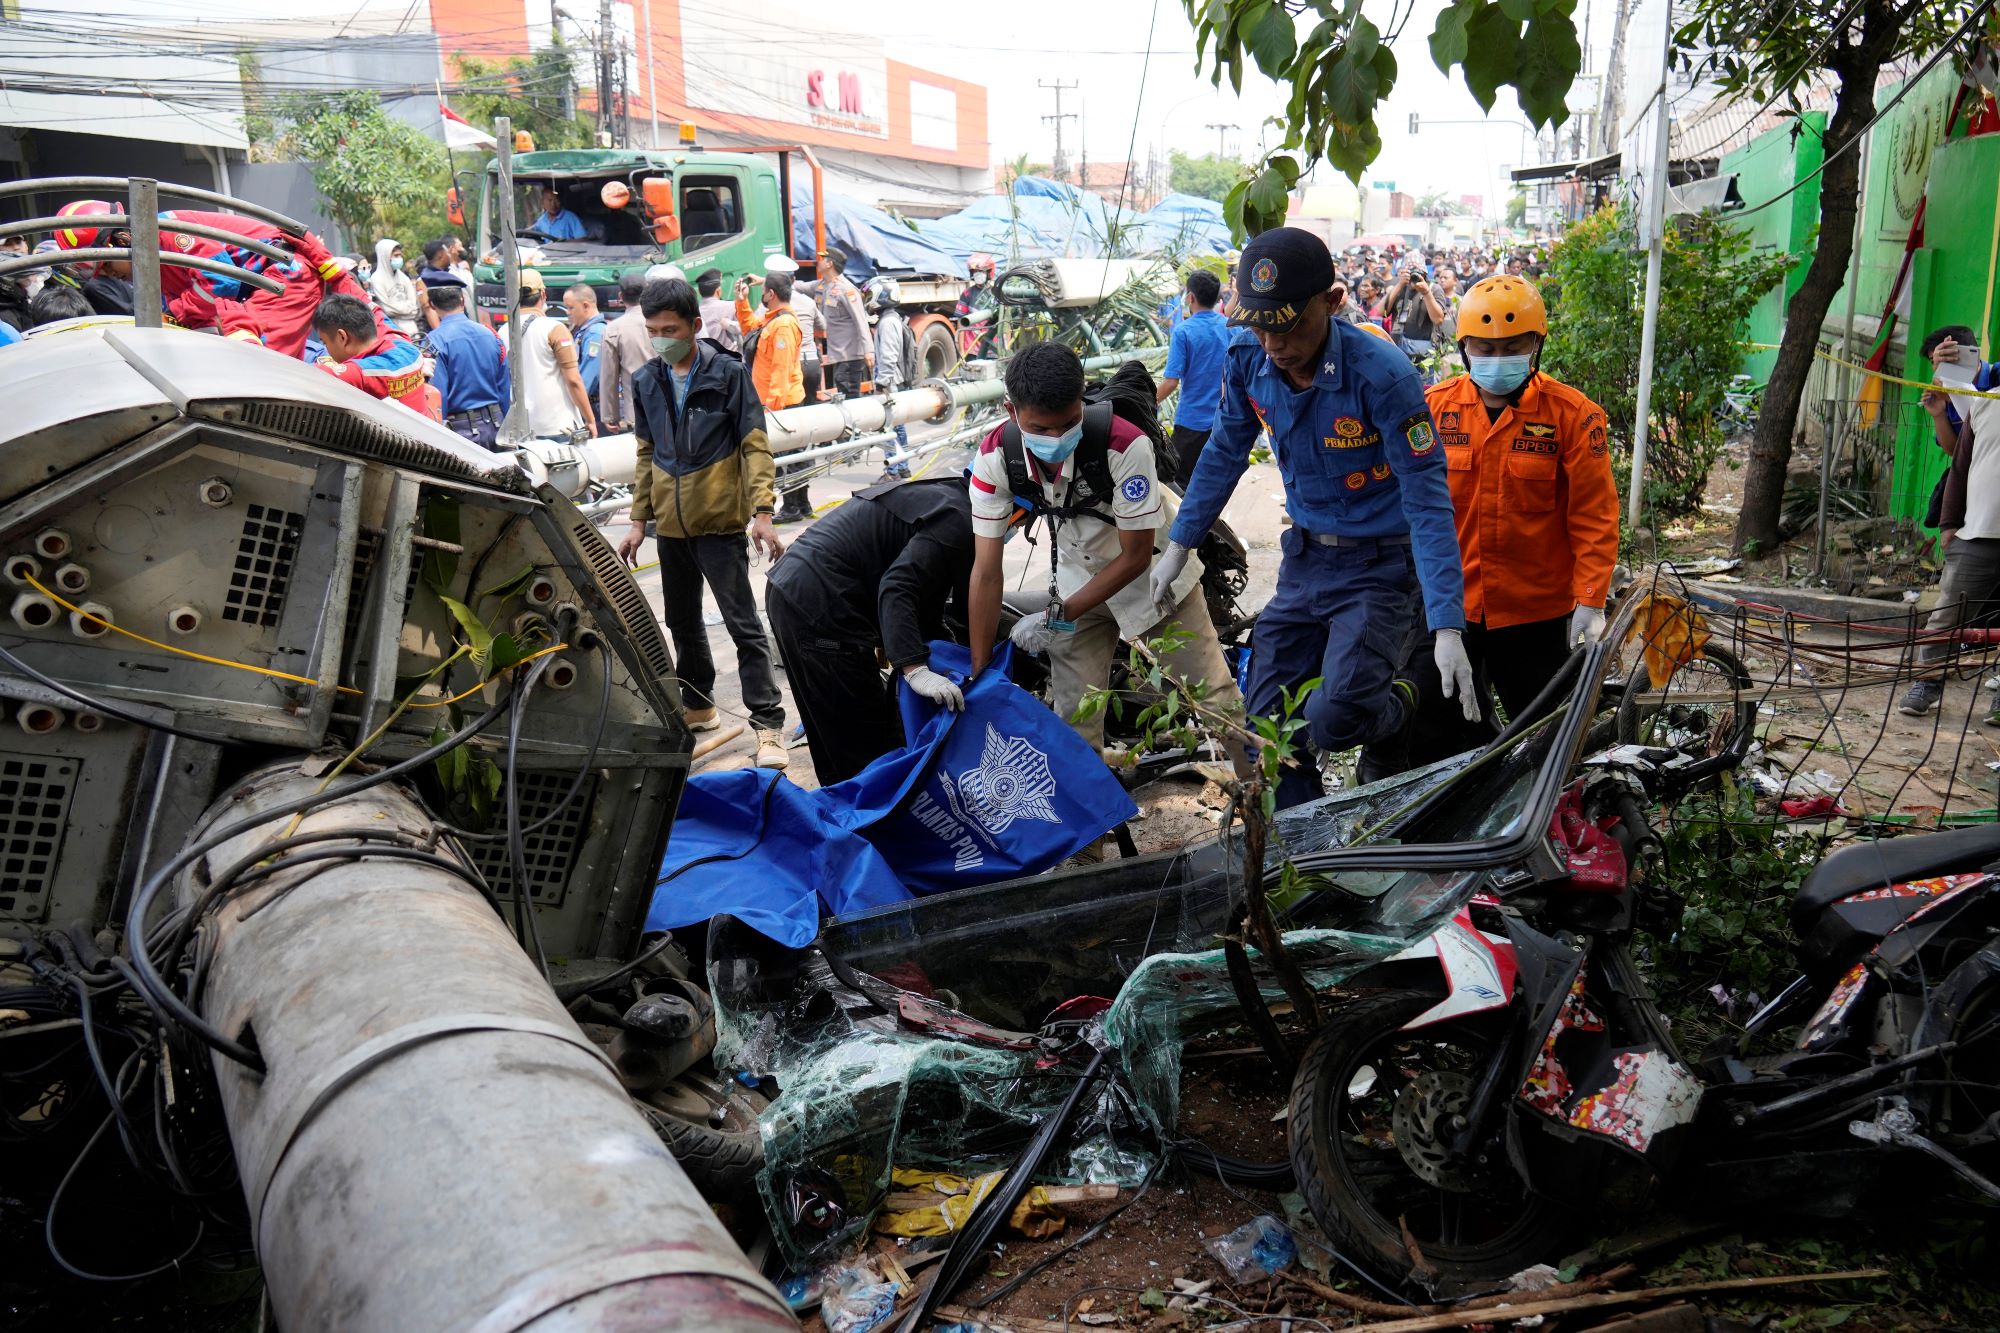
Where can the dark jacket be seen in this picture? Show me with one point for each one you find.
(880, 569)
(704, 467)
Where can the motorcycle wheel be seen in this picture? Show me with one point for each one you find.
(1370, 1108)
(1714, 669)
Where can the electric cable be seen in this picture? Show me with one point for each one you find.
(100, 706)
(517, 854)
(55, 1251)
(583, 770)
(148, 978)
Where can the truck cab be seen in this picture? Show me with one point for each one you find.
(728, 209)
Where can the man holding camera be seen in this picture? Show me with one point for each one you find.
(1415, 314)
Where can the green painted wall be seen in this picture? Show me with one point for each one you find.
(1765, 168)
(1952, 283)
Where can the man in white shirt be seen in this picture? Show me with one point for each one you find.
(1969, 589)
(552, 392)
(1093, 475)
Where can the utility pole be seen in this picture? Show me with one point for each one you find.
(1652, 229)
(606, 53)
(1221, 150)
(1611, 99)
(1060, 167)
(652, 77)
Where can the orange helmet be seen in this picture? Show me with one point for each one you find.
(1370, 326)
(1500, 307)
(82, 238)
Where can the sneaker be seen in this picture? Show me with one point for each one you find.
(1922, 697)
(771, 749)
(701, 719)
(785, 516)
(1993, 681)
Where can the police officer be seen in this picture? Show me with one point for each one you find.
(1371, 534)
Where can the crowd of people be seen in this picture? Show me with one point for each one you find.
(1448, 539)
(1446, 545)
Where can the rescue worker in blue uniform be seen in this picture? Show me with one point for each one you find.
(1372, 537)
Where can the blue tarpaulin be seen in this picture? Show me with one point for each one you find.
(873, 241)
(1000, 790)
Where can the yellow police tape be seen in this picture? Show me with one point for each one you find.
(1825, 355)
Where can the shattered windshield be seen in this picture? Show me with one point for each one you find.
(931, 1033)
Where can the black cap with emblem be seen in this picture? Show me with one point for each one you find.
(1280, 271)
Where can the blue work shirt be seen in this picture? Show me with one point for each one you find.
(564, 226)
(1357, 450)
(589, 342)
(471, 366)
(1194, 357)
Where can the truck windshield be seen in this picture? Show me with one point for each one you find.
(580, 198)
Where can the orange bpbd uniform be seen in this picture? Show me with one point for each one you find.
(1533, 497)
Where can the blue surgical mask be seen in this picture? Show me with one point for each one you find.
(396, 262)
(1500, 374)
(1054, 448)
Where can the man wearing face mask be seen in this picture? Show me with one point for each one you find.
(1091, 473)
(703, 473)
(1536, 510)
(1371, 536)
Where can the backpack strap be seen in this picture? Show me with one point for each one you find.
(1091, 494)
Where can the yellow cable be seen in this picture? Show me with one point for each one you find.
(275, 674)
(57, 598)
(467, 694)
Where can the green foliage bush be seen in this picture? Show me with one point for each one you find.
(1709, 280)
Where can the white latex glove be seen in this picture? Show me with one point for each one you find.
(1165, 570)
(1455, 672)
(1032, 633)
(1586, 625)
(934, 687)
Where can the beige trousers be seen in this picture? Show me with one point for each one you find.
(1081, 662)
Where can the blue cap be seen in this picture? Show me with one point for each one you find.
(1280, 271)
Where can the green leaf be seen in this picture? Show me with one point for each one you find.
(1363, 39)
(477, 635)
(1232, 209)
(1548, 59)
(1153, 1298)
(507, 587)
(1268, 193)
(1448, 44)
(1520, 11)
(1272, 41)
(1492, 40)
(506, 652)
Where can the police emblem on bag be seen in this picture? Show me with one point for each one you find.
(1012, 781)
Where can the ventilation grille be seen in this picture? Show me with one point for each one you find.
(549, 852)
(350, 432)
(34, 808)
(640, 623)
(263, 569)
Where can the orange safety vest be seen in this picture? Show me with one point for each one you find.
(1536, 507)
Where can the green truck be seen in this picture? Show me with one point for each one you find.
(688, 206)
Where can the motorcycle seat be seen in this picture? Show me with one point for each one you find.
(1887, 861)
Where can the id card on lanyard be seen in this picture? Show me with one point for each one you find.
(1053, 617)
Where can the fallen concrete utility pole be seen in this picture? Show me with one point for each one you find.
(611, 459)
(435, 1143)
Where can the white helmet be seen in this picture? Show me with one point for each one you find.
(882, 292)
(658, 271)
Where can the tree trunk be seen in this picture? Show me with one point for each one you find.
(1839, 199)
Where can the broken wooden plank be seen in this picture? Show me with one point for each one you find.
(1600, 1300)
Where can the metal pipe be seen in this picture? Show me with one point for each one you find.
(102, 252)
(611, 459)
(513, 426)
(148, 308)
(32, 225)
(434, 1143)
(120, 184)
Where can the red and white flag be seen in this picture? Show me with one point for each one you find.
(461, 133)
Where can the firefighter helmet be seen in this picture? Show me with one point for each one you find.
(81, 238)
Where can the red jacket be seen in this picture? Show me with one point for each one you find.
(391, 368)
(281, 320)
